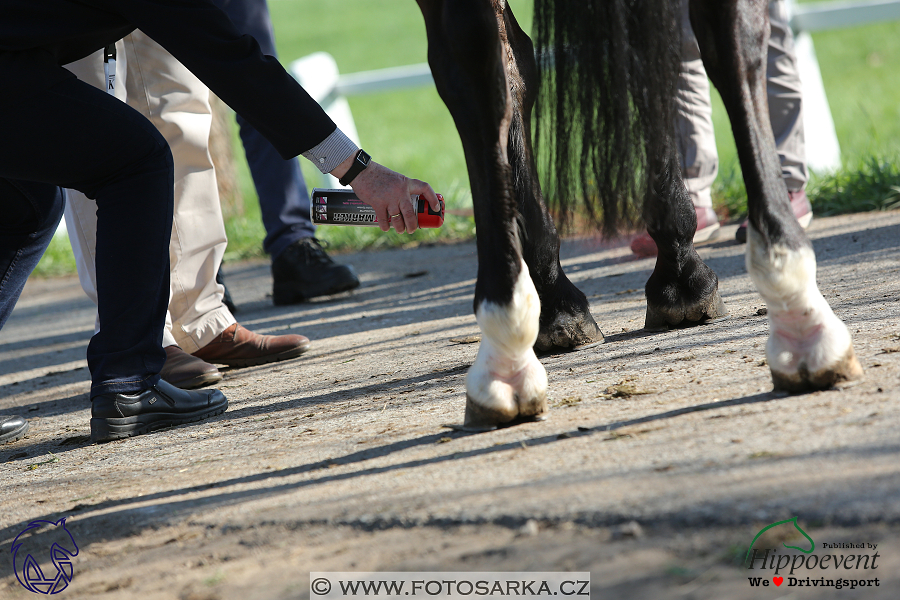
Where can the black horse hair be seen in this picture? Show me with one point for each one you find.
(604, 115)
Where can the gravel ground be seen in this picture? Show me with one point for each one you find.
(663, 456)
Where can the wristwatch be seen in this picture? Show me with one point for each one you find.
(360, 162)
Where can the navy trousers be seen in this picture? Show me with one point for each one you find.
(283, 198)
(75, 136)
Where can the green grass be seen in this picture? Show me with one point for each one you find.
(57, 260)
(412, 132)
(871, 184)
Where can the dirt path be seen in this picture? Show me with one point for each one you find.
(338, 461)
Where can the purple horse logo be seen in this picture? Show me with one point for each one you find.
(61, 551)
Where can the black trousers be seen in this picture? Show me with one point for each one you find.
(75, 136)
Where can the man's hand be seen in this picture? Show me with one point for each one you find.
(390, 194)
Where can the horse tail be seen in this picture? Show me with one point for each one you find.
(604, 116)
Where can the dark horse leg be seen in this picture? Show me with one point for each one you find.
(467, 52)
(682, 290)
(566, 320)
(808, 347)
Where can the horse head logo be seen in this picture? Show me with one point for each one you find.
(776, 524)
(27, 558)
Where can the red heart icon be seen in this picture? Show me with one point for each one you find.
(778, 580)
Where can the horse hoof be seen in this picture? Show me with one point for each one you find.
(480, 418)
(702, 312)
(568, 331)
(845, 370)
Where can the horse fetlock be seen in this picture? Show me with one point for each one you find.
(809, 347)
(511, 328)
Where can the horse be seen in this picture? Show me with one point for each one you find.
(606, 87)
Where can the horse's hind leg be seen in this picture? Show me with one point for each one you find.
(465, 52)
(682, 290)
(565, 320)
(808, 347)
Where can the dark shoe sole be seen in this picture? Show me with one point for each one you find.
(264, 360)
(12, 436)
(107, 430)
(295, 293)
(196, 382)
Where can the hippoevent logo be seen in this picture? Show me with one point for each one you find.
(851, 569)
(51, 545)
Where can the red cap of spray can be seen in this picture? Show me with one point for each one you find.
(429, 218)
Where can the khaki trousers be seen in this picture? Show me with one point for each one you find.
(694, 126)
(152, 82)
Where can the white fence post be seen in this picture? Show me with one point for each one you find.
(823, 152)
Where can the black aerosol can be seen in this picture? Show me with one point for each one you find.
(342, 207)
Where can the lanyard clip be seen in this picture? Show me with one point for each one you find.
(109, 68)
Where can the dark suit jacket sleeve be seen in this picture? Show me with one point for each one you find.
(257, 87)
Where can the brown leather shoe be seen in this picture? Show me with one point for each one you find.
(240, 347)
(187, 372)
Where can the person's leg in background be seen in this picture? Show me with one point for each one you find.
(177, 104)
(785, 96)
(31, 214)
(300, 267)
(181, 369)
(694, 132)
(76, 136)
(696, 137)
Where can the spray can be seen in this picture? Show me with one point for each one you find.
(342, 207)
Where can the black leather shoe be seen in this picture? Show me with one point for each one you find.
(115, 416)
(12, 428)
(303, 271)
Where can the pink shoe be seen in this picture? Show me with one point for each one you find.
(802, 210)
(707, 229)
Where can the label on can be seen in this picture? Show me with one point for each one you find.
(342, 207)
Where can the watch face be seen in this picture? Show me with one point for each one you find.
(363, 158)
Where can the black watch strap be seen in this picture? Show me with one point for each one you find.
(360, 162)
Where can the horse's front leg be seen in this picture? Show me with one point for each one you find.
(808, 346)
(506, 382)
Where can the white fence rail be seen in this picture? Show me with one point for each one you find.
(838, 15)
(318, 73)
